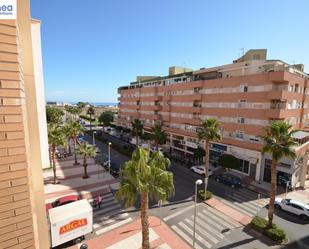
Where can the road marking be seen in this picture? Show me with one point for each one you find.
(179, 212)
(208, 220)
(229, 221)
(199, 228)
(184, 236)
(108, 221)
(199, 238)
(115, 225)
(236, 207)
(250, 206)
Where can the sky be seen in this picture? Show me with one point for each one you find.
(90, 48)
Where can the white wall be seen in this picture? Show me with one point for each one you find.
(40, 93)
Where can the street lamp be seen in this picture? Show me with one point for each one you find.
(287, 188)
(197, 182)
(93, 139)
(109, 156)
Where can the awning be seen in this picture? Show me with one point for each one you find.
(300, 134)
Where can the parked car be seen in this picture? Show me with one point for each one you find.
(229, 179)
(201, 170)
(61, 201)
(293, 206)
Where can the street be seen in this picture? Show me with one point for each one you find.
(214, 229)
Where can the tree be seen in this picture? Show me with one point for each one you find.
(208, 132)
(81, 106)
(73, 129)
(229, 161)
(87, 150)
(158, 135)
(137, 129)
(278, 141)
(145, 175)
(54, 115)
(106, 118)
(198, 154)
(56, 137)
(91, 112)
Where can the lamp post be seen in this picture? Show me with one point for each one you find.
(287, 188)
(93, 139)
(197, 182)
(109, 156)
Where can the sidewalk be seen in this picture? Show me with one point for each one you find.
(130, 237)
(232, 213)
(71, 181)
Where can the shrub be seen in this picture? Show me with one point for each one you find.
(274, 233)
(201, 194)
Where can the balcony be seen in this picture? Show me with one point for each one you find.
(280, 76)
(283, 95)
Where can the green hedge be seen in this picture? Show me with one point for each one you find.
(201, 194)
(274, 233)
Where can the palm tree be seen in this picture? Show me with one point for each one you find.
(278, 141)
(145, 175)
(73, 129)
(87, 150)
(91, 112)
(158, 135)
(137, 129)
(56, 137)
(208, 132)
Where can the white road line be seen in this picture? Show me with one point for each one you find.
(254, 203)
(229, 221)
(109, 221)
(244, 207)
(236, 207)
(247, 203)
(179, 212)
(185, 236)
(207, 219)
(199, 238)
(218, 220)
(200, 229)
(115, 225)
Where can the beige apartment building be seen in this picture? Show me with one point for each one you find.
(23, 139)
(244, 97)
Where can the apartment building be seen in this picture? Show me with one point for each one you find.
(23, 139)
(244, 97)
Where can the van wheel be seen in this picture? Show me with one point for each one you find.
(217, 180)
(304, 217)
(233, 186)
(278, 207)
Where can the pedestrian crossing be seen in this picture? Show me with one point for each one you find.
(245, 201)
(211, 227)
(109, 216)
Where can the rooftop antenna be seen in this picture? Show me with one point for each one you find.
(243, 51)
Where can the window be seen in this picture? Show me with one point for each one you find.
(242, 103)
(296, 206)
(244, 88)
(240, 134)
(241, 120)
(244, 166)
